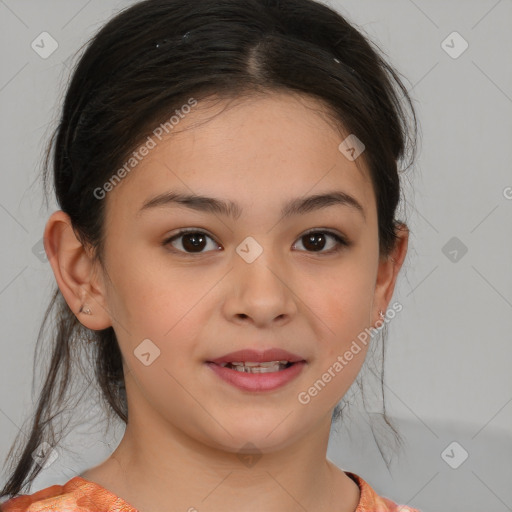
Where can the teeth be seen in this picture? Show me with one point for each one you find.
(266, 363)
(254, 367)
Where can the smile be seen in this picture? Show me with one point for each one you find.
(257, 376)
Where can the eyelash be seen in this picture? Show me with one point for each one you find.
(341, 241)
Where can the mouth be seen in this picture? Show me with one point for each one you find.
(258, 370)
(257, 376)
(257, 367)
(251, 358)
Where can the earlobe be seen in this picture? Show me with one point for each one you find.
(389, 268)
(74, 272)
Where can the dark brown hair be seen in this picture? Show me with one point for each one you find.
(145, 63)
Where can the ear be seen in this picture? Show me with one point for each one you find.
(388, 271)
(74, 272)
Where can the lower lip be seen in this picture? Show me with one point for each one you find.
(257, 381)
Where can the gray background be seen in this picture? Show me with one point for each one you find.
(449, 353)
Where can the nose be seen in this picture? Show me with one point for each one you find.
(261, 292)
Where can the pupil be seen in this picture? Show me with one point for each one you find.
(194, 245)
(314, 236)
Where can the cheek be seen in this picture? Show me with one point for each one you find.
(148, 290)
(343, 316)
(343, 296)
(341, 304)
(156, 304)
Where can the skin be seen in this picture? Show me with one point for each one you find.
(186, 427)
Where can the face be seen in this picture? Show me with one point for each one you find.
(251, 280)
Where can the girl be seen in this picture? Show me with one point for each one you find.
(227, 177)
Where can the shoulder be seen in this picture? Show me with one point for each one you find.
(370, 501)
(78, 495)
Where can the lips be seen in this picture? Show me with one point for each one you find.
(257, 382)
(258, 356)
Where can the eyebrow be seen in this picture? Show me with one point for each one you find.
(298, 206)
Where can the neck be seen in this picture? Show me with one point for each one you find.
(162, 465)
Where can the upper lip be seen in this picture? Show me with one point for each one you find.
(258, 356)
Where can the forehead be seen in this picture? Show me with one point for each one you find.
(262, 148)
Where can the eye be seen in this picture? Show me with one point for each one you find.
(316, 240)
(194, 240)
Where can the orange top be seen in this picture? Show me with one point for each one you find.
(80, 495)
